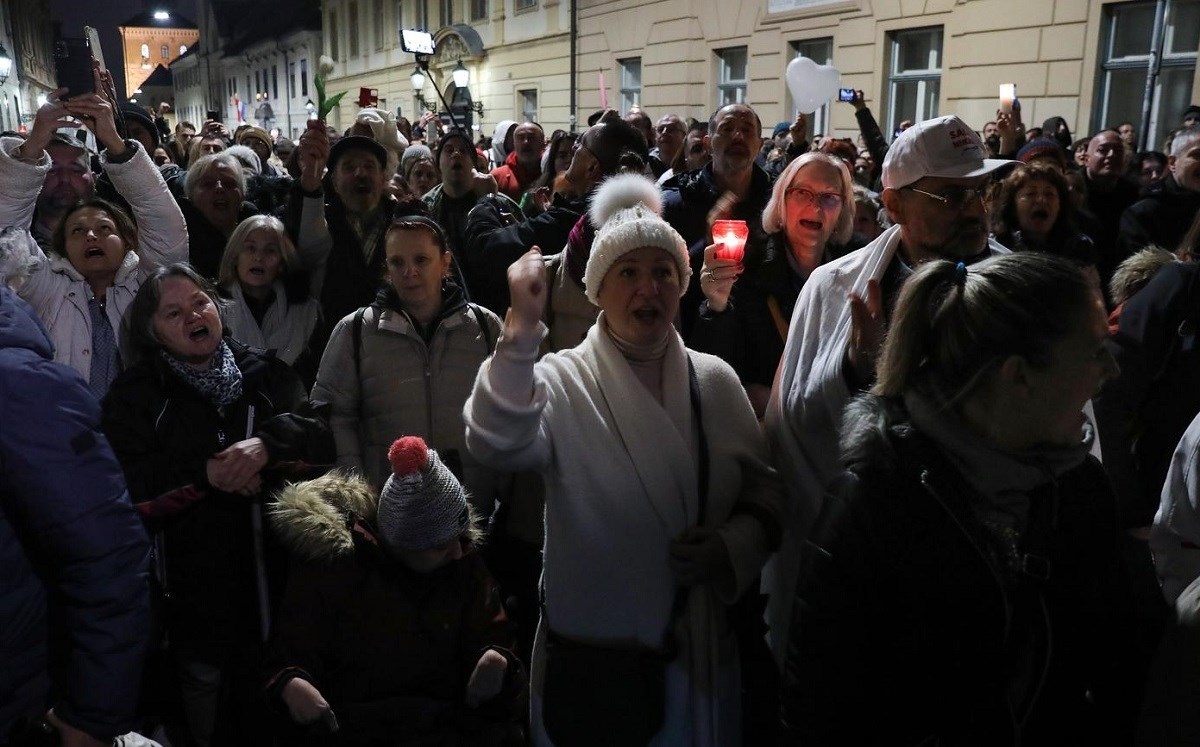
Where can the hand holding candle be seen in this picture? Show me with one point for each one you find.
(730, 237)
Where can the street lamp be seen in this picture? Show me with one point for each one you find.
(5, 65)
(418, 80)
(462, 76)
(311, 108)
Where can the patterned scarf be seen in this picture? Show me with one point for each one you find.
(220, 383)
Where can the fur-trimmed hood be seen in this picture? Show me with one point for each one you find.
(315, 518)
(870, 425)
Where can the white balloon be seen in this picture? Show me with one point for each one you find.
(812, 85)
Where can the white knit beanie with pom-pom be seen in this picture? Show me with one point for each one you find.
(422, 505)
(627, 211)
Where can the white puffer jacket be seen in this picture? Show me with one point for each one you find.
(55, 289)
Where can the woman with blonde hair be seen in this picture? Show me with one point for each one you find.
(747, 304)
(272, 307)
(966, 562)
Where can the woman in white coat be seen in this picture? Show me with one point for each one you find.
(270, 309)
(660, 505)
(83, 288)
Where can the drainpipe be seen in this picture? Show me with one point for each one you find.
(574, 45)
(1152, 72)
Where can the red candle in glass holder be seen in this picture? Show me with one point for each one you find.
(730, 237)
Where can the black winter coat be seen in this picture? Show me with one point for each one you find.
(908, 632)
(749, 335)
(164, 433)
(1162, 217)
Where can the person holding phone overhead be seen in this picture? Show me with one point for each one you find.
(83, 286)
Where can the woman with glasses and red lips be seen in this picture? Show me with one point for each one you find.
(748, 303)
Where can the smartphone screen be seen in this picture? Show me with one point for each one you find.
(845, 94)
(73, 64)
(212, 115)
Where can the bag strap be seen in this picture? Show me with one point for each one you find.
(356, 335)
(488, 342)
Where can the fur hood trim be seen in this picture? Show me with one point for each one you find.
(870, 425)
(312, 516)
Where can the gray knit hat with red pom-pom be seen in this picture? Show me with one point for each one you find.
(422, 505)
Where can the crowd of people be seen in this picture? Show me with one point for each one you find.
(393, 436)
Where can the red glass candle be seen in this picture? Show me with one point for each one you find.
(730, 237)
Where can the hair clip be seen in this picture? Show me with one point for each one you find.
(960, 274)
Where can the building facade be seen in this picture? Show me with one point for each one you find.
(150, 39)
(913, 59)
(28, 38)
(516, 53)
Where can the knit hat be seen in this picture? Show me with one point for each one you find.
(412, 154)
(943, 147)
(136, 113)
(628, 210)
(780, 129)
(251, 132)
(422, 505)
(1193, 109)
(1043, 147)
(449, 135)
(246, 155)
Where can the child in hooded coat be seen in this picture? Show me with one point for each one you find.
(391, 630)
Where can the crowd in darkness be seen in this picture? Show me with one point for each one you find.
(396, 436)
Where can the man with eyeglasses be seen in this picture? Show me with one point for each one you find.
(934, 178)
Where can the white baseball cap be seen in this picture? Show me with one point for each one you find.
(944, 147)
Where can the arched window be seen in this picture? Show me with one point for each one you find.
(182, 50)
(145, 51)
(165, 51)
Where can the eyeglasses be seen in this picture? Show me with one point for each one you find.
(826, 200)
(956, 198)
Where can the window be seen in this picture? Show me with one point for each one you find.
(182, 50)
(275, 81)
(379, 25)
(1125, 57)
(165, 52)
(291, 80)
(421, 21)
(304, 77)
(400, 15)
(523, 4)
(333, 36)
(145, 51)
(819, 51)
(731, 76)
(631, 83)
(352, 28)
(479, 10)
(529, 105)
(258, 86)
(447, 12)
(914, 75)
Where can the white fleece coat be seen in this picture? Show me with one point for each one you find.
(286, 327)
(1175, 535)
(621, 482)
(55, 289)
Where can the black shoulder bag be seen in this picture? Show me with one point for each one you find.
(615, 696)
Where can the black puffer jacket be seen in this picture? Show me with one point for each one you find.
(164, 433)
(1161, 217)
(907, 632)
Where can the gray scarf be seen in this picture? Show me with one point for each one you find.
(220, 383)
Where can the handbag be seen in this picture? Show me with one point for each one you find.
(603, 695)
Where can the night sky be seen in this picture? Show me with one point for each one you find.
(106, 16)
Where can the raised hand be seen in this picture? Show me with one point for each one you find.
(49, 117)
(867, 329)
(487, 679)
(717, 278)
(305, 703)
(314, 152)
(527, 290)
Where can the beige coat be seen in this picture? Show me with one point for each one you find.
(403, 387)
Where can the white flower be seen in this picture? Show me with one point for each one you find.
(325, 65)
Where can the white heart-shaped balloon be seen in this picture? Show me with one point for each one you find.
(812, 85)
